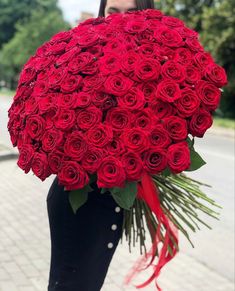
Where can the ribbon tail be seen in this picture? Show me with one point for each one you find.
(149, 193)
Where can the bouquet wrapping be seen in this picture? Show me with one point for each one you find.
(119, 100)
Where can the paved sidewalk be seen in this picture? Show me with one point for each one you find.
(25, 245)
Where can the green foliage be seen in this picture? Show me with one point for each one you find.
(215, 22)
(79, 197)
(11, 11)
(125, 197)
(28, 37)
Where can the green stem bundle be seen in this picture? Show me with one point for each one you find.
(181, 199)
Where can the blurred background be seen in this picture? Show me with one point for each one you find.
(24, 231)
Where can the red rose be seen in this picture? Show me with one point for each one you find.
(25, 157)
(64, 119)
(62, 36)
(75, 146)
(153, 13)
(115, 147)
(83, 99)
(147, 51)
(147, 70)
(176, 127)
(132, 100)
(49, 116)
(55, 160)
(23, 93)
(43, 76)
(118, 118)
(133, 166)
(23, 139)
(209, 94)
(71, 45)
(154, 160)
(188, 103)
(56, 49)
(172, 21)
(128, 62)
(100, 98)
(88, 39)
(111, 173)
(40, 88)
(144, 119)
(66, 101)
(83, 63)
(109, 64)
(200, 122)
(44, 63)
(216, 75)
(43, 50)
(114, 46)
(149, 89)
(159, 137)
(168, 91)
(47, 102)
(117, 85)
(162, 109)
(194, 44)
(35, 126)
(193, 74)
(99, 135)
(71, 83)
(135, 139)
(27, 76)
(95, 50)
(178, 157)
(109, 103)
(174, 71)
(93, 83)
(51, 139)
(91, 159)
(66, 57)
(89, 117)
(168, 37)
(184, 56)
(56, 76)
(203, 59)
(40, 166)
(186, 32)
(72, 176)
(135, 26)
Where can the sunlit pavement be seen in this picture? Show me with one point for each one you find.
(25, 245)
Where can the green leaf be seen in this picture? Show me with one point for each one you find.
(104, 190)
(93, 178)
(78, 197)
(166, 172)
(125, 197)
(190, 142)
(196, 161)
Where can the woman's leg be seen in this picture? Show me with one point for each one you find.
(82, 244)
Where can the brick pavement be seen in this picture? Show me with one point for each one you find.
(25, 245)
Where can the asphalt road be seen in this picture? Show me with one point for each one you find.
(214, 248)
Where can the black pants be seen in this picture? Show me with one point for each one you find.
(82, 244)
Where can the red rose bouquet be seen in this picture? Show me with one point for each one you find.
(119, 100)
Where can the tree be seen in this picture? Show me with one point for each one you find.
(28, 37)
(11, 11)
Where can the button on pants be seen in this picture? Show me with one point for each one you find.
(82, 244)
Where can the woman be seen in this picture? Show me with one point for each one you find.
(83, 244)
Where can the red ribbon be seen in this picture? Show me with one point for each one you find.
(148, 191)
